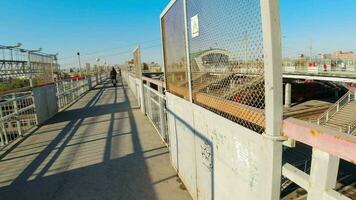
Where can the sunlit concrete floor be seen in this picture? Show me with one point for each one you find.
(102, 147)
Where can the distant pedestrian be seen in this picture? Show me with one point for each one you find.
(113, 75)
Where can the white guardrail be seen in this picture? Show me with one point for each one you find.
(153, 98)
(18, 113)
(323, 118)
(17, 116)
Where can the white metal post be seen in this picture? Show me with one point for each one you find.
(4, 139)
(288, 95)
(71, 87)
(273, 93)
(16, 111)
(272, 66)
(162, 114)
(187, 50)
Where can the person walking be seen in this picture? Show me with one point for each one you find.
(113, 75)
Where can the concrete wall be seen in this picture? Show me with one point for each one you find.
(217, 158)
(45, 102)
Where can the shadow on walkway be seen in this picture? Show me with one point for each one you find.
(100, 148)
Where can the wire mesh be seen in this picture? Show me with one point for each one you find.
(175, 50)
(42, 68)
(137, 62)
(226, 59)
(19, 66)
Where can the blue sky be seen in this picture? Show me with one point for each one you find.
(110, 29)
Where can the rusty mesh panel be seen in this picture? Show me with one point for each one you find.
(15, 70)
(226, 59)
(175, 62)
(42, 67)
(137, 62)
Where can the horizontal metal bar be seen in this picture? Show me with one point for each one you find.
(16, 99)
(297, 176)
(333, 142)
(155, 91)
(4, 118)
(333, 195)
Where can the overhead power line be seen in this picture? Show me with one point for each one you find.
(114, 54)
(111, 49)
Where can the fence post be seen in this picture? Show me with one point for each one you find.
(16, 111)
(323, 174)
(3, 135)
(327, 117)
(273, 94)
(162, 113)
(338, 107)
(65, 94)
(71, 88)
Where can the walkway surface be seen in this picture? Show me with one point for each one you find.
(102, 147)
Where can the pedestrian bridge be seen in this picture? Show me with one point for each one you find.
(96, 143)
(101, 147)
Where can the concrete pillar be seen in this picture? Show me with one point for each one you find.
(288, 95)
(323, 174)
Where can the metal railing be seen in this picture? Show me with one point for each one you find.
(352, 128)
(17, 116)
(328, 148)
(323, 118)
(18, 113)
(154, 101)
(69, 91)
(155, 108)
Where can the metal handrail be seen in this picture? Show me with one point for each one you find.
(336, 105)
(352, 127)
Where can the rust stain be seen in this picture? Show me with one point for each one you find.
(314, 133)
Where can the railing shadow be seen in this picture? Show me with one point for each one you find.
(126, 177)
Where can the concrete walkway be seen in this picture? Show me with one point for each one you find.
(102, 147)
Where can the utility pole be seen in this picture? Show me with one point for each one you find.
(311, 49)
(80, 66)
(284, 53)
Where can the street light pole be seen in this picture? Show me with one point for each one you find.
(80, 66)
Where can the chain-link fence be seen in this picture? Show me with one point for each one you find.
(21, 68)
(175, 59)
(225, 46)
